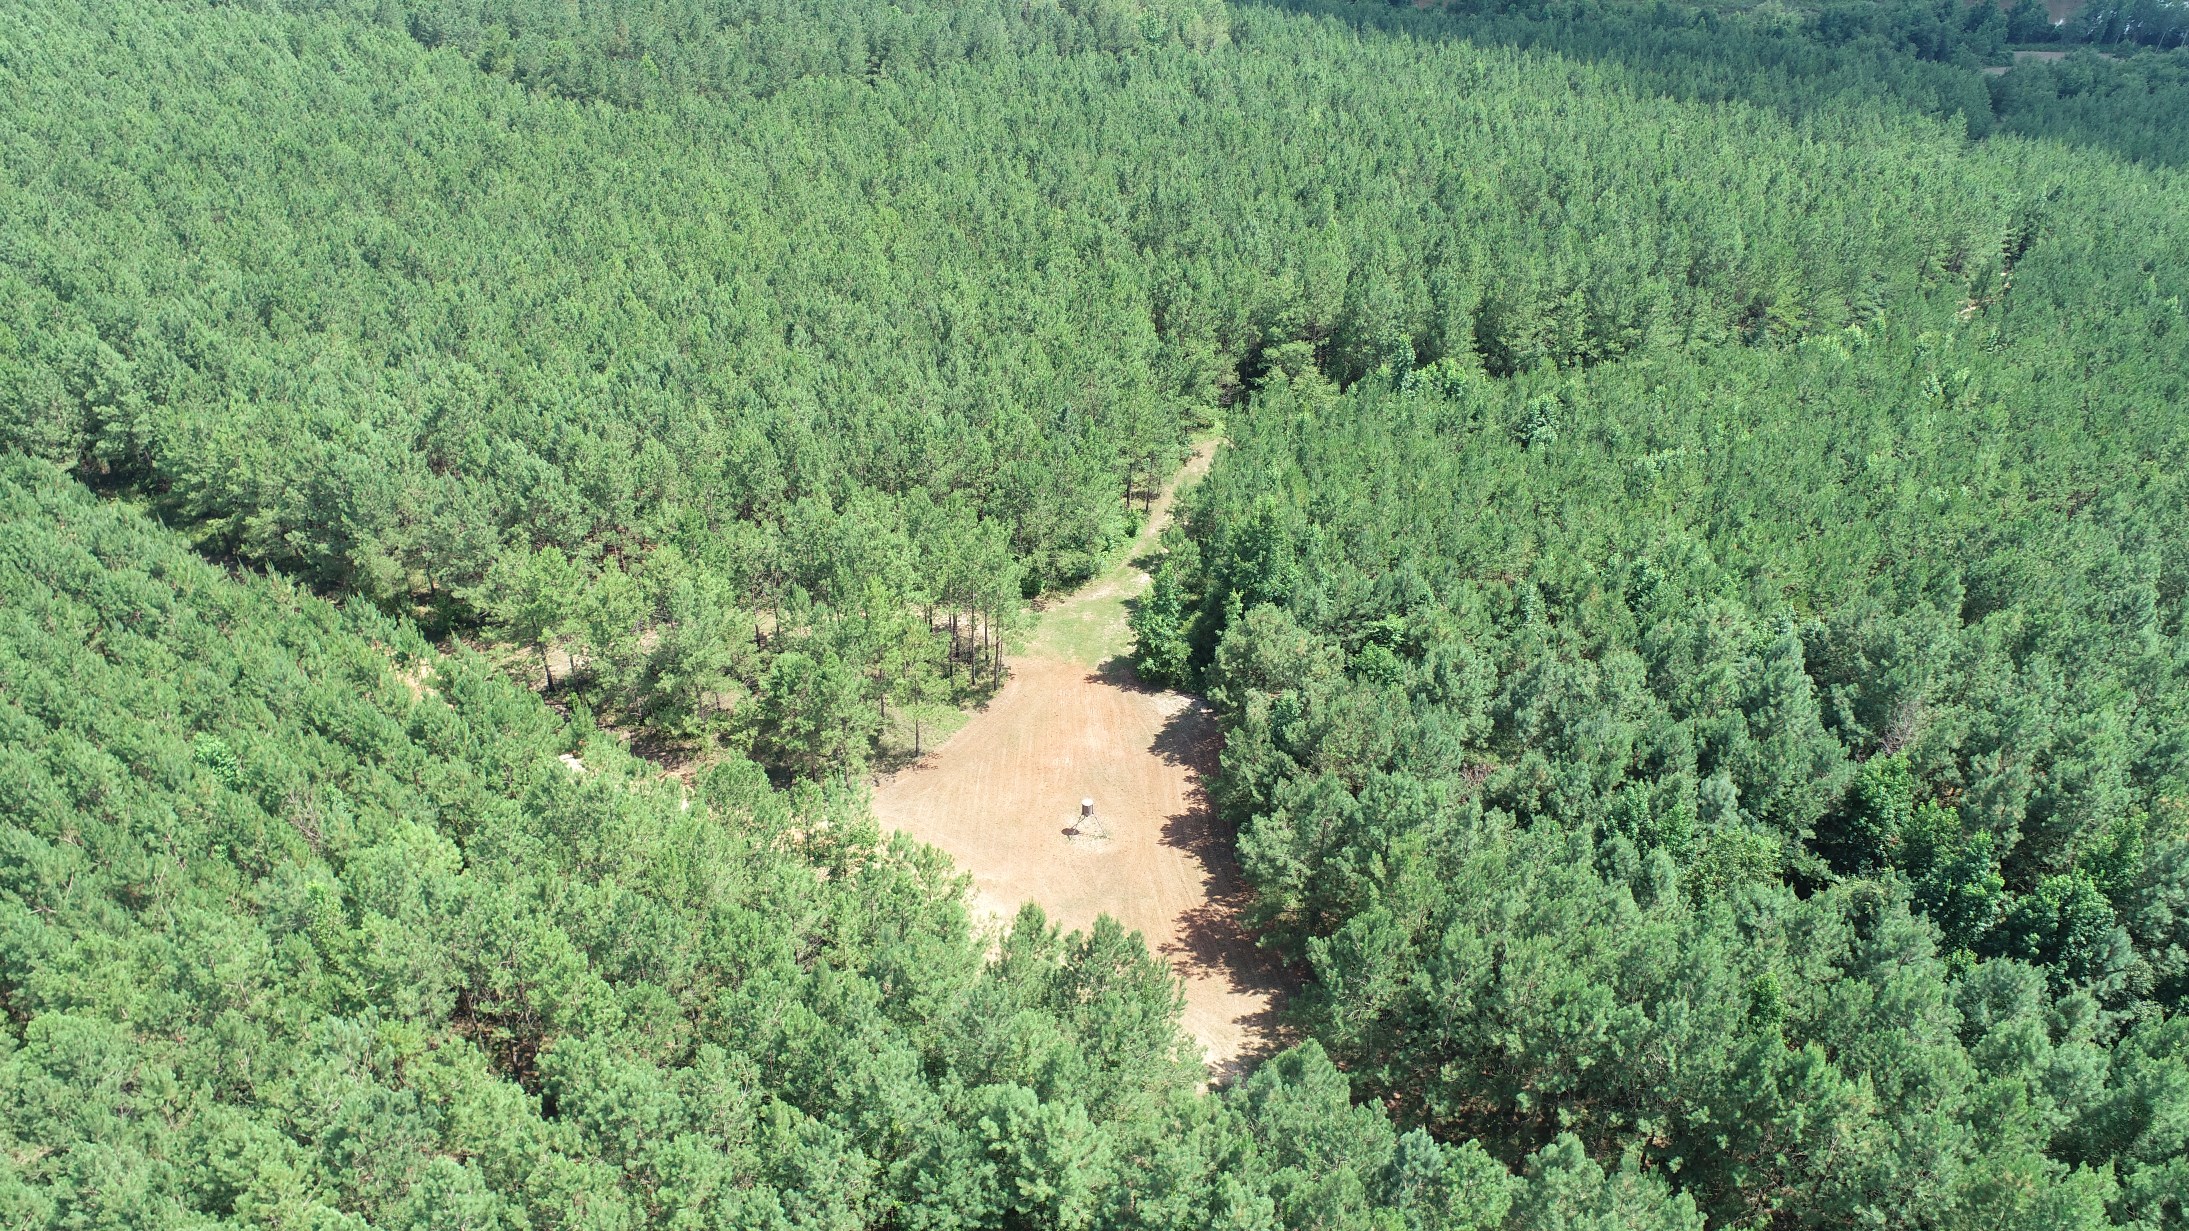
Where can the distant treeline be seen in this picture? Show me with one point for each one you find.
(1922, 56)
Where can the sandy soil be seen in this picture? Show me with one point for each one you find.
(1002, 797)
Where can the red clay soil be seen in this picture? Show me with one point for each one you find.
(1002, 797)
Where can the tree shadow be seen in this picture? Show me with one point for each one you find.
(887, 761)
(1117, 671)
(675, 756)
(1193, 739)
(1214, 938)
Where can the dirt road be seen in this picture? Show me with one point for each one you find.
(1002, 796)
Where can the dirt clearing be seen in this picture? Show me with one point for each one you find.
(1003, 794)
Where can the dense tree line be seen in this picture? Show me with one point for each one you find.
(2136, 103)
(1769, 759)
(860, 346)
(653, 51)
(304, 923)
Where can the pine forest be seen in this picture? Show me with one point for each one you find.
(1678, 662)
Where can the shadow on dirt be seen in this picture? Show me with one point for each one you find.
(1214, 937)
(1117, 672)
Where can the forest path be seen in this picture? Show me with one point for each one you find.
(1072, 722)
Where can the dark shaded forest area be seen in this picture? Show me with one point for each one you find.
(1693, 590)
